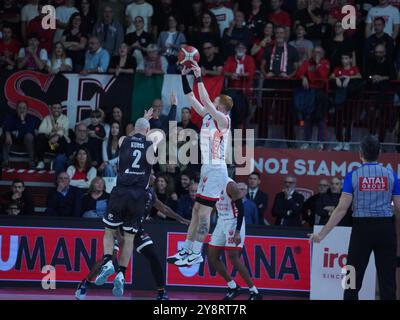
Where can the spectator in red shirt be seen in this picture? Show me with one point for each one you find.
(258, 49)
(278, 16)
(9, 48)
(314, 74)
(240, 69)
(45, 35)
(346, 80)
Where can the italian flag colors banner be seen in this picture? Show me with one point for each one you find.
(147, 89)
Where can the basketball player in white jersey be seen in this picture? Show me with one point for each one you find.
(229, 234)
(214, 138)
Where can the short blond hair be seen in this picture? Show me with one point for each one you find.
(226, 101)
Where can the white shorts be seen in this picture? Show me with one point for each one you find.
(223, 234)
(212, 182)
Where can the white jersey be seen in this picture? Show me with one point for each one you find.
(225, 205)
(213, 141)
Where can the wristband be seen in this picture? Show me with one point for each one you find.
(199, 79)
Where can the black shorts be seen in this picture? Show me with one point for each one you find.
(142, 239)
(125, 208)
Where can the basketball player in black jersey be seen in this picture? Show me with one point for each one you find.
(127, 201)
(143, 244)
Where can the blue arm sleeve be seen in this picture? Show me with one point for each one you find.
(396, 185)
(348, 185)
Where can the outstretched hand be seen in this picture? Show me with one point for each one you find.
(196, 69)
(173, 99)
(185, 70)
(148, 114)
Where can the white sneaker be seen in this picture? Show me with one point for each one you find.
(346, 146)
(191, 259)
(40, 165)
(105, 271)
(180, 255)
(339, 147)
(119, 282)
(304, 146)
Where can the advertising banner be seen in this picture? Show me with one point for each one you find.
(328, 259)
(275, 263)
(25, 251)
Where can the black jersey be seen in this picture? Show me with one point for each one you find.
(134, 170)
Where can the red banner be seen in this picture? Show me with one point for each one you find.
(309, 167)
(275, 263)
(24, 251)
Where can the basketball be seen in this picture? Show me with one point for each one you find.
(187, 55)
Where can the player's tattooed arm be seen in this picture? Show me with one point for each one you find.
(169, 212)
(206, 101)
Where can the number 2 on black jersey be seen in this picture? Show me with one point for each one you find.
(137, 154)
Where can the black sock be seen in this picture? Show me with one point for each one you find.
(121, 269)
(106, 258)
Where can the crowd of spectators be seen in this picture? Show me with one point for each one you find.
(254, 44)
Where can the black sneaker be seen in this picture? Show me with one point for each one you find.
(232, 293)
(81, 291)
(162, 295)
(255, 296)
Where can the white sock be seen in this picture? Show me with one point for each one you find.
(196, 248)
(188, 244)
(253, 289)
(232, 284)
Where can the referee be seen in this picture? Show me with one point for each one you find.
(371, 188)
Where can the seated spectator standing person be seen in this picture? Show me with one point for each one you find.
(74, 40)
(97, 135)
(346, 81)
(138, 41)
(287, 204)
(262, 41)
(46, 36)
(63, 14)
(169, 42)
(88, 15)
(250, 208)
(255, 17)
(210, 62)
(18, 198)
(277, 15)
(240, 69)
(186, 202)
(20, 127)
(257, 196)
(379, 71)
(281, 59)
(9, 48)
(116, 116)
(64, 200)
(154, 63)
(164, 189)
(186, 120)
(309, 209)
(28, 12)
(81, 172)
(139, 8)
(123, 63)
(206, 31)
(32, 57)
(94, 202)
(235, 34)
(97, 59)
(109, 32)
(182, 186)
(304, 47)
(110, 151)
(10, 14)
(59, 62)
(390, 14)
(223, 14)
(161, 121)
(311, 17)
(314, 74)
(379, 37)
(53, 134)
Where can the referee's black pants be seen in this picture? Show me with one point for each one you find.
(377, 235)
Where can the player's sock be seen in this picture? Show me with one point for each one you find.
(106, 258)
(232, 284)
(121, 269)
(253, 289)
(188, 244)
(197, 245)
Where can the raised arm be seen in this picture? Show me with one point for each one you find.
(190, 95)
(206, 101)
(169, 212)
